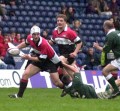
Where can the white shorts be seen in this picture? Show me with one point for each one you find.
(116, 63)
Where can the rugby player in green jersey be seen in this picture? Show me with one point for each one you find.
(112, 42)
(75, 87)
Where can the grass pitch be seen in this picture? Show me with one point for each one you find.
(50, 100)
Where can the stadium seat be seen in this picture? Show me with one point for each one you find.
(37, 2)
(50, 14)
(34, 7)
(30, 24)
(27, 30)
(37, 13)
(30, 13)
(6, 30)
(91, 39)
(10, 23)
(33, 19)
(51, 25)
(94, 33)
(21, 7)
(20, 29)
(40, 19)
(30, 2)
(50, 3)
(27, 18)
(27, 8)
(44, 3)
(17, 13)
(20, 18)
(13, 18)
(41, 8)
(81, 56)
(24, 24)
(79, 62)
(17, 24)
(24, 13)
(98, 39)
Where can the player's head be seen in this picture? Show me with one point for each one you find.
(61, 20)
(108, 25)
(35, 32)
(66, 79)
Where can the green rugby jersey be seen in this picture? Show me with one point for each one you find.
(84, 90)
(112, 42)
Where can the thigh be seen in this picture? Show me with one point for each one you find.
(30, 71)
(108, 68)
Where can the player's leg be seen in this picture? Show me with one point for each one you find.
(30, 71)
(56, 80)
(106, 72)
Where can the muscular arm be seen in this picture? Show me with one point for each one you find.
(22, 45)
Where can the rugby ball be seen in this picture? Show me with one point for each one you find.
(13, 51)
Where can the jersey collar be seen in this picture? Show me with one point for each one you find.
(40, 41)
(69, 85)
(112, 30)
(65, 29)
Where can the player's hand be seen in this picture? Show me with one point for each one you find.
(96, 45)
(26, 56)
(73, 55)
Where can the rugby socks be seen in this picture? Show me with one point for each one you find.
(23, 85)
(111, 80)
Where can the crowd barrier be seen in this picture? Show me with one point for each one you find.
(11, 78)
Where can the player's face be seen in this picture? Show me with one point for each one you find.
(61, 23)
(36, 36)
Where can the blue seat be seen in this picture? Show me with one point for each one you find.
(37, 2)
(21, 7)
(50, 14)
(20, 29)
(91, 39)
(87, 32)
(34, 7)
(27, 7)
(6, 30)
(47, 19)
(20, 18)
(94, 33)
(17, 13)
(41, 8)
(89, 44)
(24, 13)
(47, 8)
(27, 18)
(10, 23)
(23, 24)
(30, 24)
(98, 39)
(51, 25)
(56, 3)
(13, 18)
(40, 19)
(43, 13)
(13, 29)
(27, 30)
(37, 13)
(86, 21)
(33, 19)
(79, 62)
(17, 24)
(44, 3)
(31, 2)
(50, 3)
(81, 56)
(30, 13)
(90, 27)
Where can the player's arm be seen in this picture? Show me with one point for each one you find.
(22, 45)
